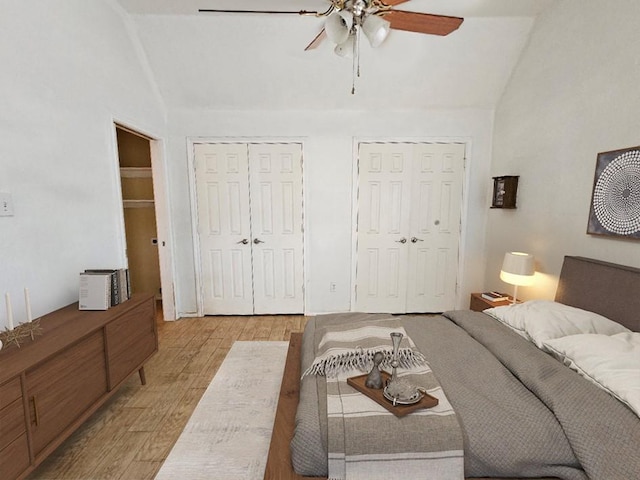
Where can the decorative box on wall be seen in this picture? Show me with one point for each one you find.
(505, 189)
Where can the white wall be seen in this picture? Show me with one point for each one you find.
(258, 62)
(575, 93)
(328, 140)
(68, 69)
(72, 67)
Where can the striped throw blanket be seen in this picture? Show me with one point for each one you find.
(366, 441)
(351, 350)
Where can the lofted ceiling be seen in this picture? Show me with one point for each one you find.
(257, 62)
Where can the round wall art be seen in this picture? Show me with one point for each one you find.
(615, 203)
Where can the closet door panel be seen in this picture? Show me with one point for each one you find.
(383, 224)
(222, 186)
(276, 224)
(435, 227)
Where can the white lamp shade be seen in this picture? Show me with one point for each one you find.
(338, 25)
(518, 268)
(345, 49)
(376, 29)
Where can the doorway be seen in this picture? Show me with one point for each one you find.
(138, 201)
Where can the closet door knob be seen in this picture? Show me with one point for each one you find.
(415, 239)
(257, 241)
(244, 241)
(402, 240)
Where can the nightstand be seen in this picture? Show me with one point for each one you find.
(478, 304)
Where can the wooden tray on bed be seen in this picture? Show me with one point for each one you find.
(427, 401)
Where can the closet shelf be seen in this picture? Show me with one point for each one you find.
(138, 203)
(135, 172)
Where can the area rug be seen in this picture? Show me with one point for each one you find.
(228, 434)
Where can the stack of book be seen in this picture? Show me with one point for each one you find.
(495, 296)
(101, 289)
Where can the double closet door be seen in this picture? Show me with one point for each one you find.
(409, 210)
(249, 202)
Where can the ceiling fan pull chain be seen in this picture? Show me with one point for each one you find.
(358, 40)
(353, 64)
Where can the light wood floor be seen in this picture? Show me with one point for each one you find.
(131, 435)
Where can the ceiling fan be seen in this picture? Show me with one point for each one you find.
(349, 15)
(344, 19)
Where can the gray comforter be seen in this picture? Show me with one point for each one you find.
(523, 413)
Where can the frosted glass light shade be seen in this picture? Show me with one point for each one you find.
(518, 268)
(345, 49)
(347, 18)
(376, 29)
(338, 25)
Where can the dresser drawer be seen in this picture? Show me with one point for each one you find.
(12, 423)
(10, 392)
(14, 458)
(12, 420)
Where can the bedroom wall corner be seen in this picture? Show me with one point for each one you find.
(75, 71)
(572, 95)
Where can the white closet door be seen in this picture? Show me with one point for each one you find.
(409, 204)
(436, 199)
(383, 226)
(222, 185)
(276, 224)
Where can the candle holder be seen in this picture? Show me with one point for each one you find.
(21, 334)
(396, 338)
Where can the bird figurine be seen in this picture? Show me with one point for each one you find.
(374, 379)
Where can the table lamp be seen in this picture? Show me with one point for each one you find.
(517, 269)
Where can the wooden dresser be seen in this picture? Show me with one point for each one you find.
(50, 386)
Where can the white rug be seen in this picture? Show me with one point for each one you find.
(229, 432)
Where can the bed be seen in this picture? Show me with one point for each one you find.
(522, 412)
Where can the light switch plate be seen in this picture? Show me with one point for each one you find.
(6, 205)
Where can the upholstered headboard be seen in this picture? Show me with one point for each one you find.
(601, 287)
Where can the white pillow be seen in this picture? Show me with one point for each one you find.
(611, 362)
(542, 320)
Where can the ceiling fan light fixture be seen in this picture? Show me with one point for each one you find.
(345, 49)
(376, 29)
(337, 28)
(347, 16)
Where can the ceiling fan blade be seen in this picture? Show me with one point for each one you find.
(422, 22)
(316, 41)
(393, 3)
(270, 12)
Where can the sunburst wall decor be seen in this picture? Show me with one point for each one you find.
(615, 202)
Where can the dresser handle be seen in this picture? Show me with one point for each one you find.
(35, 410)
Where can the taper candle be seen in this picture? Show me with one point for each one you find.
(7, 298)
(28, 304)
